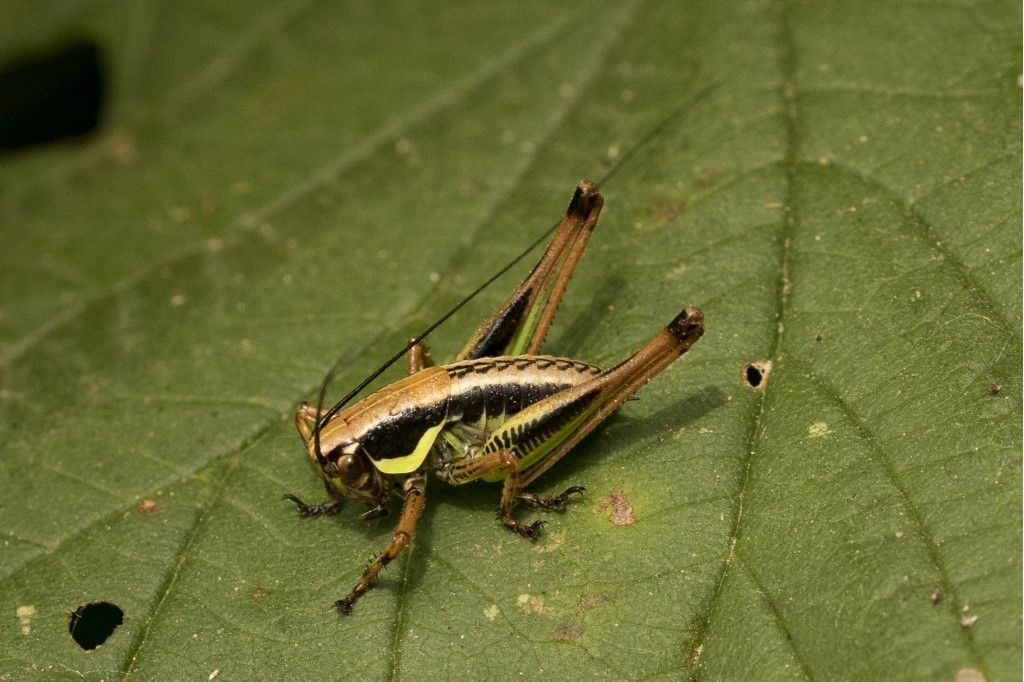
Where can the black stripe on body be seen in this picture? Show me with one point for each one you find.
(503, 328)
(523, 438)
(487, 392)
(396, 435)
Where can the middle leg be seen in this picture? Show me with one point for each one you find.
(505, 464)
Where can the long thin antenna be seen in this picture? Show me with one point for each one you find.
(644, 141)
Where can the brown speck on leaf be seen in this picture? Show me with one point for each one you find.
(707, 177)
(969, 675)
(555, 540)
(123, 149)
(935, 597)
(532, 604)
(260, 593)
(592, 601)
(568, 632)
(995, 389)
(148, 507)
(621, 510)
(666, 210)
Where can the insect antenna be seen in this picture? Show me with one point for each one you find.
(650, 136)
(657, 130)
(412, 342)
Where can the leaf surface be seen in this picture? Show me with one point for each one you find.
(275, 184)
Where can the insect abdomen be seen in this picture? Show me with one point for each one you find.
(486, 392)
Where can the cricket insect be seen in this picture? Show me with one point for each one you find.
(500, 412)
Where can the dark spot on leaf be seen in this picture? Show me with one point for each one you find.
(621, 510)
(568, 632)
(50, 96)
(148, 507)
(260, 593)
(818, 337)
(995, 389)
(755, 374)
(92, 624)
(592, 601)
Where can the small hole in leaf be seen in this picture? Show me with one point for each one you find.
(755, 374)
(50, 96)
(92, 624)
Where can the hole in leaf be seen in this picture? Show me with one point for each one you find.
(755, 374)
(92, 624)
(50, 96)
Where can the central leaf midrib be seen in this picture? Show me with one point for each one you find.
(787, 95)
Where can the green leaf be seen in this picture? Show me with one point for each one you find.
(278, 183)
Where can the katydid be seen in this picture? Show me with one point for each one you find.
(500, 412)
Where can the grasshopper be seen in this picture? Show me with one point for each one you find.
(499, 412)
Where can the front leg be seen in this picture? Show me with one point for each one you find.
(414, 489)
(328, 508)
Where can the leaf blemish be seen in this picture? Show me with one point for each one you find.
(556, 540)
(969, 675)
(621, 510)
(25, 614)
(592, 601)
(755, 374)
(148, 507)
(818, 430)
(568, 632)
(531, 604)
(92, 624)
(665, 210)
(707, 177)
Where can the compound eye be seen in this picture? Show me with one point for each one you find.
(350, 468)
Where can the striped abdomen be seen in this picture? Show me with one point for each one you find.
(484, 393)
